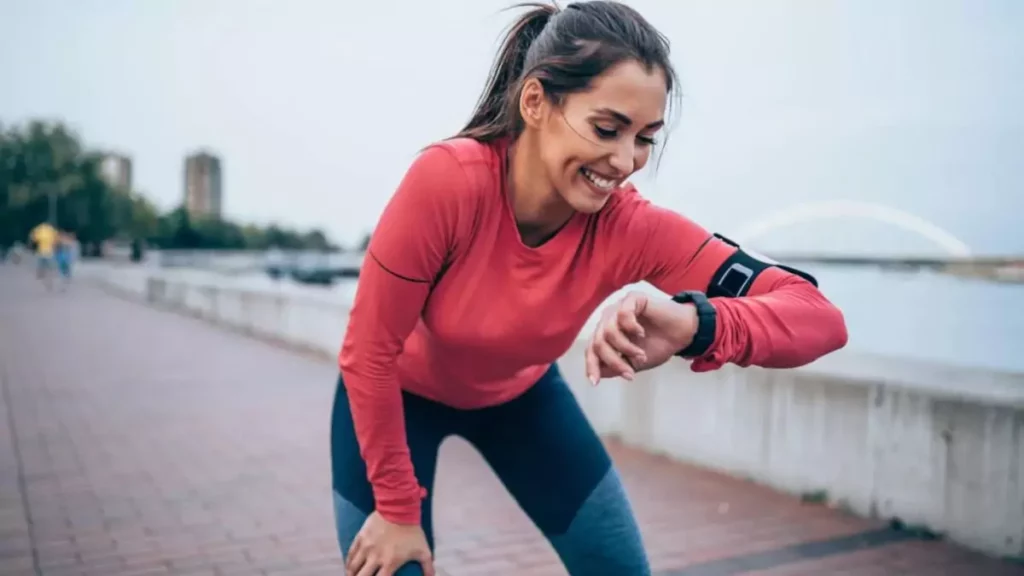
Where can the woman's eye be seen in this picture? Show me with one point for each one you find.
(610, 133)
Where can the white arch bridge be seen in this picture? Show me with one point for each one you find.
(954, 250)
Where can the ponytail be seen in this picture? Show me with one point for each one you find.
(495, 115)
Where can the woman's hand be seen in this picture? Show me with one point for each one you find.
(381, 548)
(638, 333)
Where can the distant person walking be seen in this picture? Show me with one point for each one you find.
(65, 256)
(45, 238)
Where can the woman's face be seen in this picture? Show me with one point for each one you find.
(595, 140)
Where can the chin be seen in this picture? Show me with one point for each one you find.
(586, 201)
(585, 198)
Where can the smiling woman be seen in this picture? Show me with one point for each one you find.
(495, 250)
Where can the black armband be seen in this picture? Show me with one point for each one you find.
(736, 275)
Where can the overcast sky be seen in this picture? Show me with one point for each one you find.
(317, 106)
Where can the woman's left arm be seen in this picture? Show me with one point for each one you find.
(766, 315)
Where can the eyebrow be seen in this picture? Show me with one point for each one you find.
(619, 116)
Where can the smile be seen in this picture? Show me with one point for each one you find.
(600, 182)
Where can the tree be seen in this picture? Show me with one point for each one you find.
(45, 172)
(316, 240)
(365, 243)
(36, 161)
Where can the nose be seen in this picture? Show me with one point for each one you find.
(623, 158)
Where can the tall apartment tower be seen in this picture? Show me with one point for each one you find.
(117, 170)
(203, 190)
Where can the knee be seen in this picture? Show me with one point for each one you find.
(607, 556)
(604, 537)
(348, 520)
(410, 569)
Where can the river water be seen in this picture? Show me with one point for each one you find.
(920, 315)
(930, 316)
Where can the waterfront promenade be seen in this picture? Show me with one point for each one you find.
(138, 442)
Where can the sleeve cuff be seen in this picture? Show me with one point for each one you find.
(402, 508)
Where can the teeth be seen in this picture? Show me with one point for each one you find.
(602, 183)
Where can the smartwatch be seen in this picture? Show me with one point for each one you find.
(706, 323)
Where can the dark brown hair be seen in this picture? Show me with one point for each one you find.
(565, 50)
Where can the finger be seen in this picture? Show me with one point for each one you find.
(615, 336)
(607, 354)
(369, 568)
(356, 556)
(593, 364)
(427, 562)
(628, 316)
(388, 568)
(624, 347)
(608, 372)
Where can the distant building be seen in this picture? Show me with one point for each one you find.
(117, 170)
(203, 192)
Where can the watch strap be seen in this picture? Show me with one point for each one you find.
(707, 320)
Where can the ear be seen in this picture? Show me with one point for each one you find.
(532, 103)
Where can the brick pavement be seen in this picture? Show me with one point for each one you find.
(136, 442)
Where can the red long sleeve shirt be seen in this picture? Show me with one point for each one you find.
(452, 306)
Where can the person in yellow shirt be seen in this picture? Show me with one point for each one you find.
(45, 238)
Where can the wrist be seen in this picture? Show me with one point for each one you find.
(399, 508)
(685, 325)
(399, 515)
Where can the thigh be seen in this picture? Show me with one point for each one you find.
(426, 424)
(548, 456)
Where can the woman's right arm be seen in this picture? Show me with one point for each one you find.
(411, 243)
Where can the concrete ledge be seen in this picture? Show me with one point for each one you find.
(937, 447)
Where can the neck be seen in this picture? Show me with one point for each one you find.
(539, 210)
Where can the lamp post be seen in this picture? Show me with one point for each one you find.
(52, 196)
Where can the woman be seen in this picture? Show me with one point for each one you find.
(486, 264)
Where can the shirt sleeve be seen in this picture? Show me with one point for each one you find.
(407, 252)
(783, 321)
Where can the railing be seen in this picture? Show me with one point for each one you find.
(935, 446)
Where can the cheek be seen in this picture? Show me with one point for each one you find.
(562, 151)
(641, 157)
(554, 158)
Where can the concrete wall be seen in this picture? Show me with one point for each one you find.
(935, 446)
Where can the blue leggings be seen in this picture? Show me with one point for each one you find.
(544, 451)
